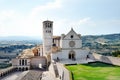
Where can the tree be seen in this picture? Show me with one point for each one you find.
(116, 53)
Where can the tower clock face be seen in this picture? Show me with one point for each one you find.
(71, 43)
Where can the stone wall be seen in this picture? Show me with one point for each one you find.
(51, 69)
(106, 59)
(59, 72)
(79, 54)
(38, 62)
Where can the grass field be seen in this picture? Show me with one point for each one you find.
(94, 71)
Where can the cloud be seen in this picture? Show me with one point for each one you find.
(85, 20)
(29, 23)
(14, 23)
(6, 14)
(48, 6)
(80, 25)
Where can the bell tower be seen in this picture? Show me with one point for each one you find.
(47, 37)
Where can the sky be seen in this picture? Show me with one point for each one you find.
(86, 17)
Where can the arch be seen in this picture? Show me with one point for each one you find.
(16, 69)
(25, 61)
(26, 68)
(23, 69)
(71, 55)
(2, 74)
(20, 69)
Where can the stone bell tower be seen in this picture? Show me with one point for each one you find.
(47, 37)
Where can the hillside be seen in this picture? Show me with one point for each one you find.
(103, 44)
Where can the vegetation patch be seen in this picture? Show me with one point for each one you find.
(4, 65)
(94, 71)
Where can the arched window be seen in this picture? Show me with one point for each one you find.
(71, 55)
(50, 25)
(23, 62)
(20, 62)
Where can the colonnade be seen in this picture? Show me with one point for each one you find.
(4, 72)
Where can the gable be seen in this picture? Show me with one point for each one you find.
(72, 35)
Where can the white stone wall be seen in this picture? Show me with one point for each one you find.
(51, 69)
(55, 55)
(107, 59)
(60, 70)
(15, 62)
(72, 32)
(65, 43)
(36, 61)
(79, 54)
(47, 36)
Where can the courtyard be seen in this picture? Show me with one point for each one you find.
(94, 71)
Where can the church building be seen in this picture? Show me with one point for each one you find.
(66, 49)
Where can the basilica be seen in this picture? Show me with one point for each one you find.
(66, 49)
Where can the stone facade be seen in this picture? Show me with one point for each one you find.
(64, 47)
(70, 47)
(106, 59)
(21, 63)
(47, 36)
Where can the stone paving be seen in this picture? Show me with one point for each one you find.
(48, 76)
(32, 75)
(12, 76)
(44, 75)
(25, 75)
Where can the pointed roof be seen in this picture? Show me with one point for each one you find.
(72, 32)
(47, 21)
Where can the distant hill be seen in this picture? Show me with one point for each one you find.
(101, 38)
(87, 38)
(19, 38)
(102, 44)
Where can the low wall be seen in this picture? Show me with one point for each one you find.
(62, 72)
(107, 59)
(51, 69)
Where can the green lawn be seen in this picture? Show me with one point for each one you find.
(94, 71)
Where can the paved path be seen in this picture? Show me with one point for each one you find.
(12, 76)
(32, 75)
(25, 75)
(48, 76)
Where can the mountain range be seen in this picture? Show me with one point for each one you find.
(104, 38)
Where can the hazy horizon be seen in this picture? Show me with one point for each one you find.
(86, 17)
